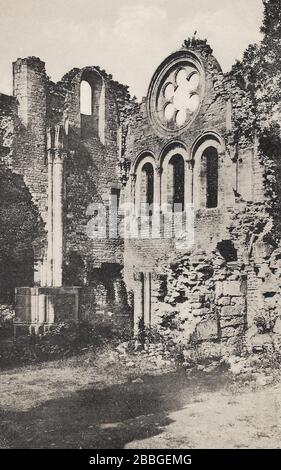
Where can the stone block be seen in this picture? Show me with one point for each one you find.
(277, 326)
(196, 297)
(196, 305)
(234, 321)
(261, 342)
(238, 301)
(232, 311)
(219, 289)
(200, 312)
(223, 301)
(232, 331)
(210, 296)
(207, 330)
(231, 288)
(234, 277)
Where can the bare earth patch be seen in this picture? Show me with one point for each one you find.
(100, 402)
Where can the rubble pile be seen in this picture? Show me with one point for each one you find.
(204, 301)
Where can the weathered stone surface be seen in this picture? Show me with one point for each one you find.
(215, 281)
(232, 288)
(196, 306)
(238, 301)
(207, 329)
(224, 301)
(277, 326)
(201, 311)
(231, 331)
(262, 342)
(231, 321)
(232, 311)
(237, 365)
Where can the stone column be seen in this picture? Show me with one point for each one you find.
(222, 188)
(133, 191)
(188, 188)
(50, 310)
(56, 155)
(50, 219)
(156, 219)
(58, 217)
(44, 271)
(157, 186)
(147, 298)
(138, 303)
(41, 308)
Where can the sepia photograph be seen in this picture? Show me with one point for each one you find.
(140, 229)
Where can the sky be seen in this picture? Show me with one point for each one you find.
(128, 38)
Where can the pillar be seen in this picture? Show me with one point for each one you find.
(58, 218)
(188, 186)
(56, 156)
(156, 219)
(50, 219)
(138, 303)
(157, 186)
(41, 308)
(44, 271)
(133, 191)
(223, 188)
(147, 298)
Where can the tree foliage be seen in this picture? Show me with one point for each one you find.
(260, 68)
(259, 76)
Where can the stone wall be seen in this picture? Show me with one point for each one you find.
(206, 299)
(228, 280)
(29, 147)
(217, 289)
(91, 168)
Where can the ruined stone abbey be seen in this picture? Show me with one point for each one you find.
(84, 141)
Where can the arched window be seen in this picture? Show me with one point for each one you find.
(176, 182)
(173, 176)
(147, 187)
(92, 105)
(206, 173)
(210, 162)
(85, 98)
(144, 186)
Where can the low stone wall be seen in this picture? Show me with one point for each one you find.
(37, 307)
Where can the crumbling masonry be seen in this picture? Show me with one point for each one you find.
(191, 142)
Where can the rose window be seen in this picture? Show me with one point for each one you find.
(176, 93)
(179, 97)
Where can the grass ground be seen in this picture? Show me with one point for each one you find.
(101, 401)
